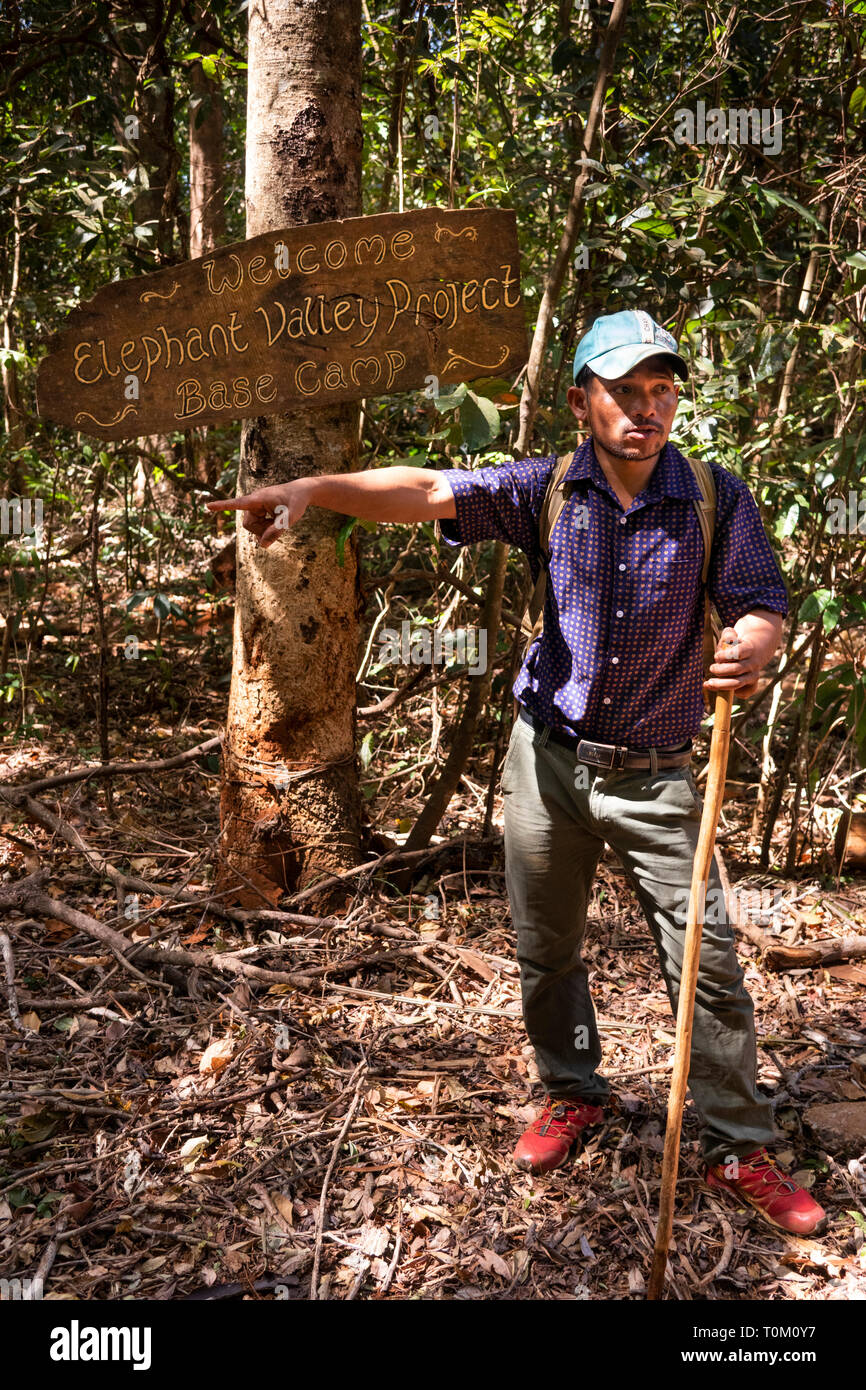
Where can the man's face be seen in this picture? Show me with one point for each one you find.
(630, 416)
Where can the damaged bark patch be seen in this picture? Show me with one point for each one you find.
(254, 640)
(306, 205)
(255, 449)
(309, 628)
(308, 150)
(303, 142)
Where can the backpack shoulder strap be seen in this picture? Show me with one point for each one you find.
(554, 500)
(706, 507)
(551, 506)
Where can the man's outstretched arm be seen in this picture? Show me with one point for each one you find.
(398, 494)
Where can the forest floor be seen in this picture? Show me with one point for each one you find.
(215, 1135)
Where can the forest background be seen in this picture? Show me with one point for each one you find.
(123, 150)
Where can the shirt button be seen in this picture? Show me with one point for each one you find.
(622, 520)
(614, 660)
(619, 613)
(622, 567)
(606, 700)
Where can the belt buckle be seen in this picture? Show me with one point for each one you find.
(620, 753)
(590, 752)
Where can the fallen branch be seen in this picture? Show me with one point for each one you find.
(9, 963)
(80, 774)
(84, 1003)
(98, 862)
(405, 857)
(27, 895)
(421, 1003)
(777, 956)
(831, 951)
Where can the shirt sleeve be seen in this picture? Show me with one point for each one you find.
(502, 503)
(743, 573)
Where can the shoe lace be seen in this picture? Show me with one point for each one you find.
(764, 1167)
(556, 1114)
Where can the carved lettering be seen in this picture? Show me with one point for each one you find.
(320, 313)
(339, 249)
(302, 266)
(254, 267)
(401, 239)
(301, 379)
(217, 279)
(88, 380)
(394, 285)
(370, 242)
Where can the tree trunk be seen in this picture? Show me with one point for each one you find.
(403, 55)
(290, 797)
(13, 414)
(803, 303)
(207, 212)
(145, 82)
(143, 90)
(574, 214)
(207, 215)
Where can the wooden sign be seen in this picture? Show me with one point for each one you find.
(311, 315)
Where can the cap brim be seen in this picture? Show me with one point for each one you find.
(619, 361)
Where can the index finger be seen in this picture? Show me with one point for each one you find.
(233, 504)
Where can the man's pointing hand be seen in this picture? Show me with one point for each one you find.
(269, 511)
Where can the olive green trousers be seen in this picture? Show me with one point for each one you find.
(558, 816)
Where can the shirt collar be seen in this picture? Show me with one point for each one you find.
(671, 477)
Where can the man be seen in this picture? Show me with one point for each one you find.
(610, 698)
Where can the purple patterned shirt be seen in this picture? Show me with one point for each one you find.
(620, 659)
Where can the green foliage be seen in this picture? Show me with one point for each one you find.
(753, 256)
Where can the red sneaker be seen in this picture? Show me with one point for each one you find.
(779, 1199)
(546, 1143)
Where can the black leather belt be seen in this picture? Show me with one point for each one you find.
(614, 756)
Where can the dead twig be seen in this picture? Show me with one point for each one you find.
(11, 996)
(357, 1080)
(727, 1252)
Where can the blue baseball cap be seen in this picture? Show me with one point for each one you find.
(617, 342)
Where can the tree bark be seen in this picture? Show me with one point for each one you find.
(13, 414)
(290, 797)
(207, 211)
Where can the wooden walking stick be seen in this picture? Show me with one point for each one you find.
(688, 979)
